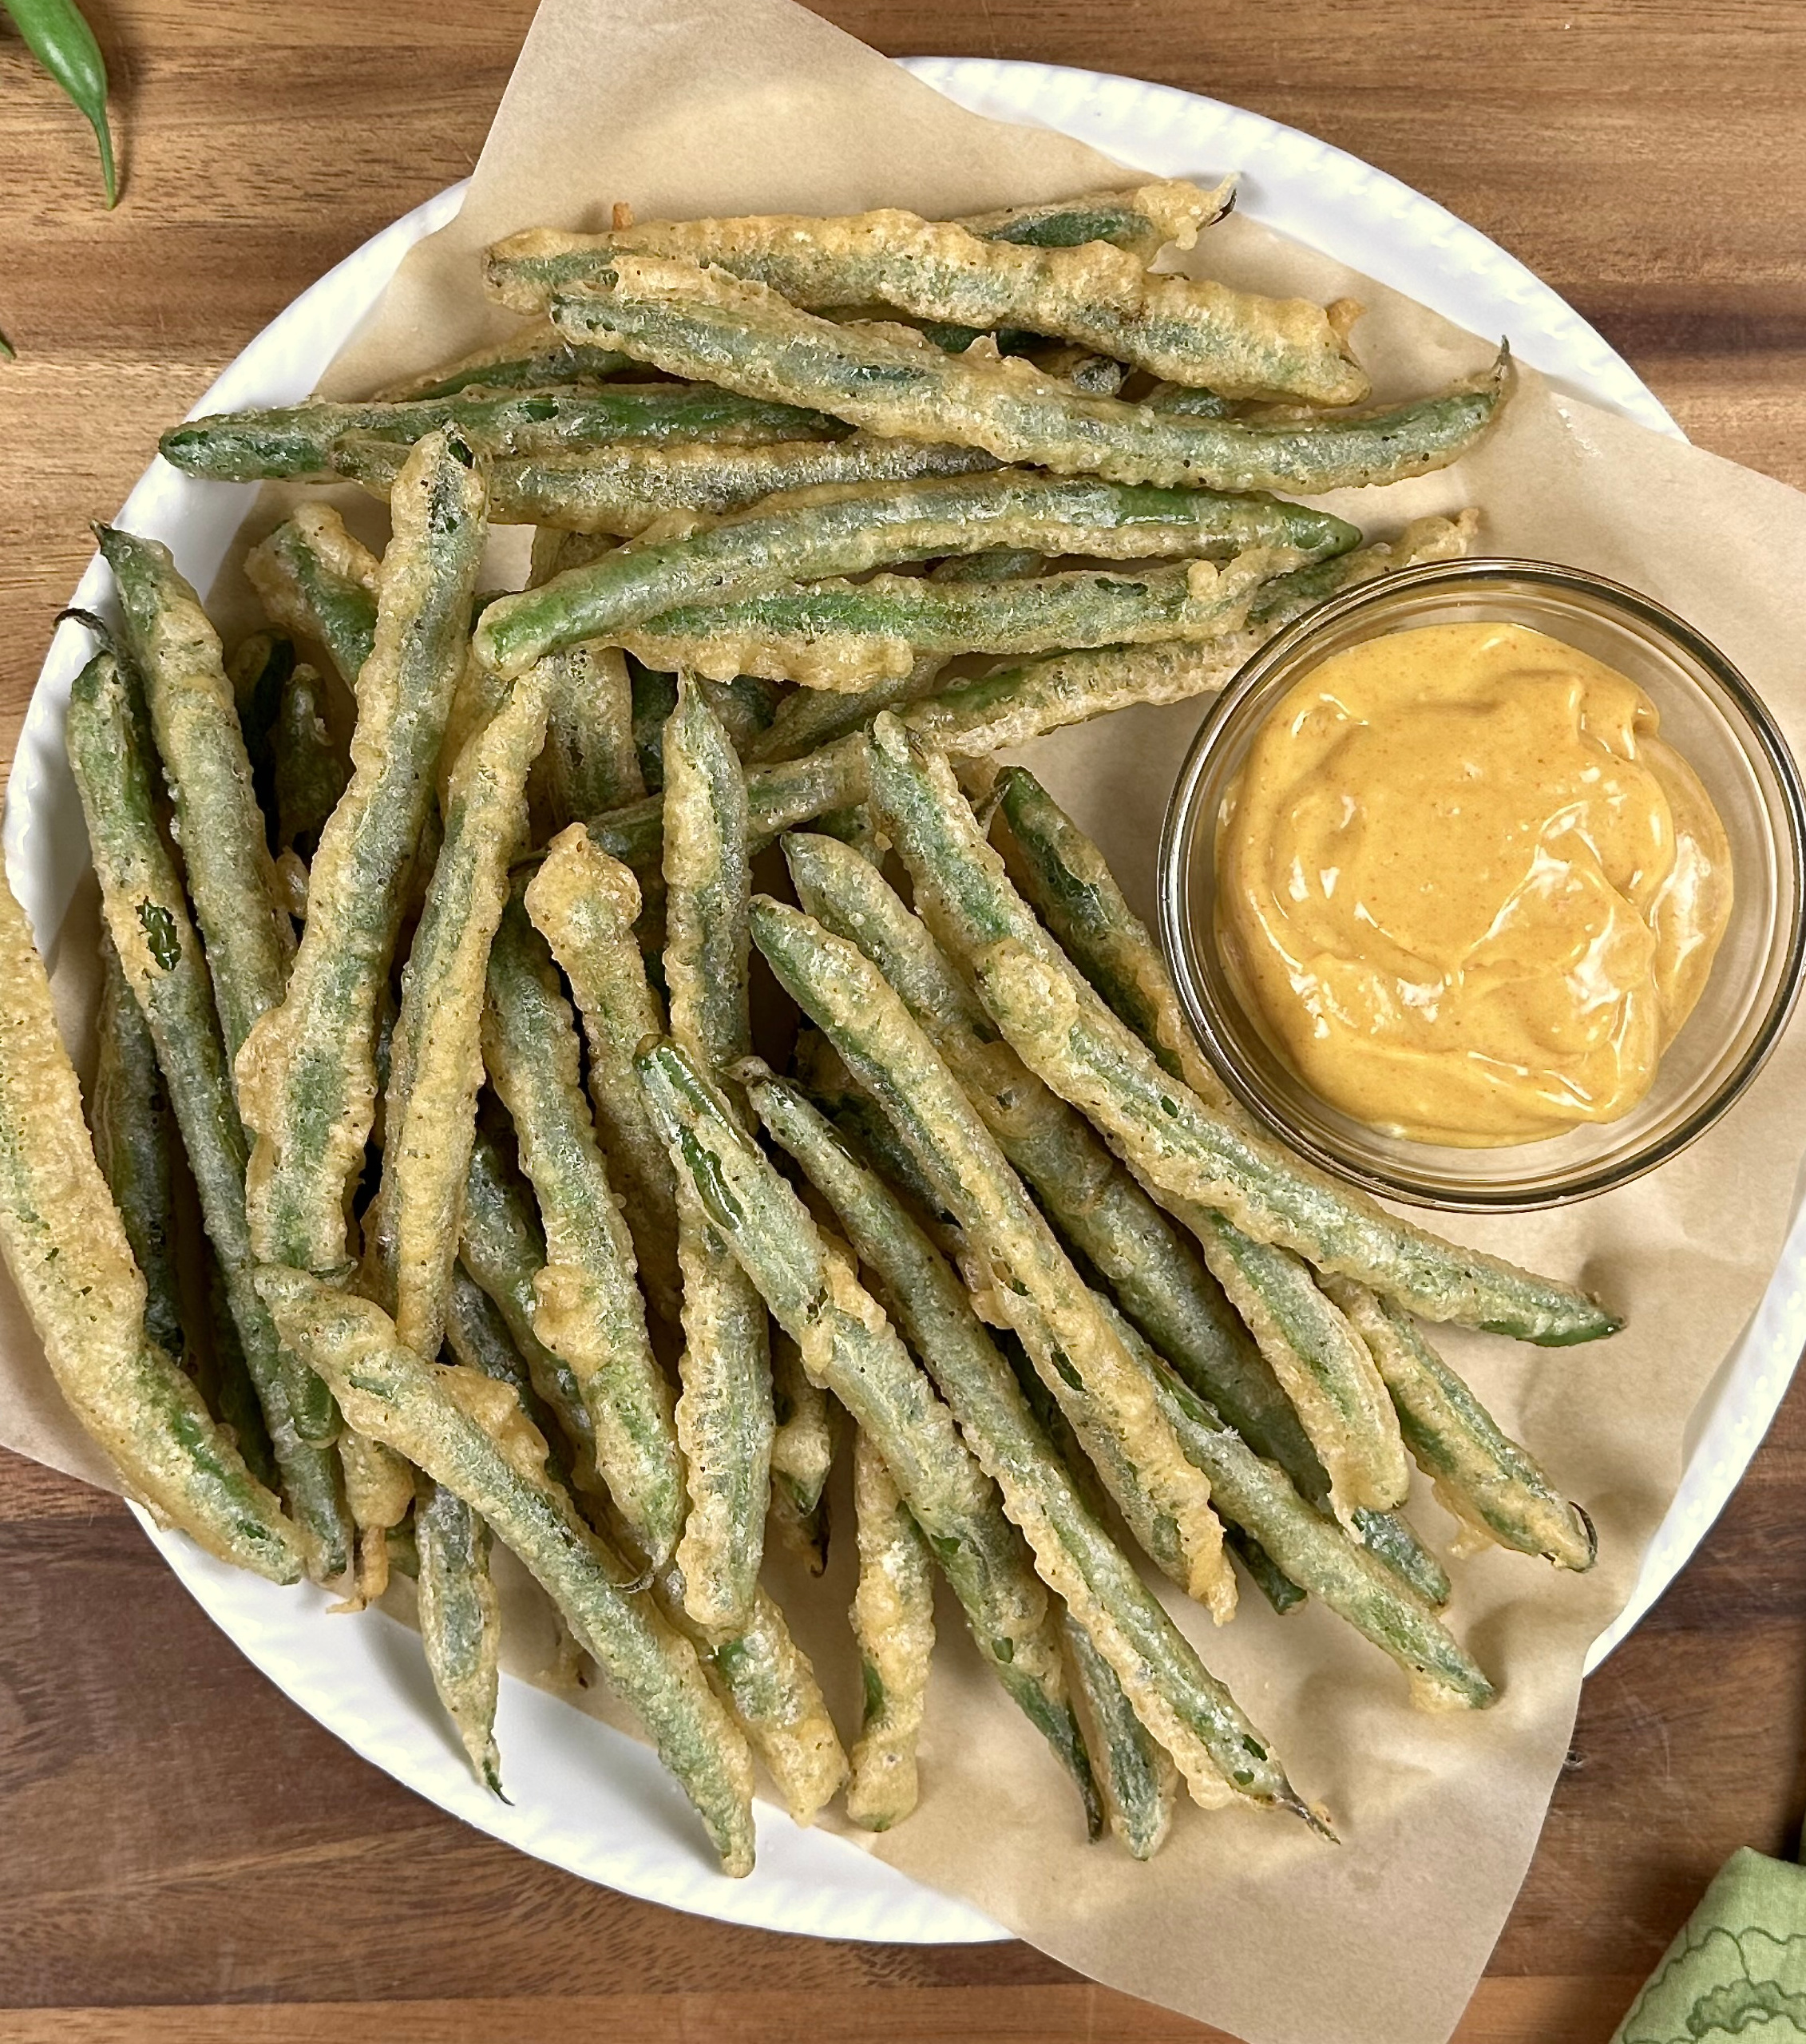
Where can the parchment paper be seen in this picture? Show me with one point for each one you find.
(688, 106)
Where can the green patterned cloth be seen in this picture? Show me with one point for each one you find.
(1737, 1973)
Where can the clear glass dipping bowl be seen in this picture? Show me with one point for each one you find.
(1709, 712)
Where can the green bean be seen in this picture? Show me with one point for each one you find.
(589, 738)
(1138, 1780)
(1495, 1487)
(436, 1060)
(294, 442)
(224, 846)
(316, 579)
(1314, 1552)
(58, 36)
(532, 358)
(725, 1419)
(815, 717)
(843, 530)
(994, 713)
(478, 1334)
(843, 635)
(1084, 1191)
(501, 1247)
(849, 1348)
(459, 1620)
(1185, 1151)
(1188, 399)
(802, 1451)
(467, 1433)
(309, 769)
(1135, 1774)
(588, 1306)
(585, 905)
(623, 490)
(893, 1622)
(307, 1078)
(160, 955)
(1192, 1715)
(1036, 1287)
(694, 322)
(64, 1244)
(769, 1683)
(135, 1143)
(1324, 1365)
(1194, 329)
(1142, 218)
(379, 1491)
(1067, 882)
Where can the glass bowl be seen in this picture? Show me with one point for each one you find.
(1709, 712)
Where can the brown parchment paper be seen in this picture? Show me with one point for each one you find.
(689, 106)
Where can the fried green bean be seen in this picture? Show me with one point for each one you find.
(466, 1432)
(225, 849)
(1192, 1715)
(294, 442)
(844, 635)
(802, 1451)
(535, 357)
(436, 1058)
(135, 1145)
(845, 529)
(307, 1077)
(1085, 1192)
(994, 713)
(1194, 330)
(65, 1249)
(849, 1348)
(147, 918)
(477, 1332)
(316, 579)
(692, 322)
(1135, 1774)
(892, 1617)
(309, 771)
(460, 1620)
(1165, 1500)
(1097, 375)
(502, 1248)
(589, 737)
(1143, 218)
(1314, 1551)
(588, 1306)
(623, 490)
(1185, 1150)
(963, 893)
(585, 904)
(770, 1685)
(1495, 1488)
(725, 1419)
(379, 1491)
(1067, 882)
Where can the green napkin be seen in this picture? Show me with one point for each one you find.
(1737, 1973)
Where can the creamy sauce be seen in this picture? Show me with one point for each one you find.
(1466, 890)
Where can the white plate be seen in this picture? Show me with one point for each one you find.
(587, 1798)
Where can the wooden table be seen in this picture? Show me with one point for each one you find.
(185, 1855)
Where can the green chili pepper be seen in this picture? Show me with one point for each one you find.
(56, 34)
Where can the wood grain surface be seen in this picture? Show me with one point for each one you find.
(183, 1855)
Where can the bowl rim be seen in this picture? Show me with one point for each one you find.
(1760, 733)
